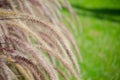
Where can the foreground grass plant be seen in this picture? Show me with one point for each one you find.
(34, 42)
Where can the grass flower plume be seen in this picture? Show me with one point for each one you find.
(35, 43)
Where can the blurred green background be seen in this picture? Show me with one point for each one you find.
(99, 38)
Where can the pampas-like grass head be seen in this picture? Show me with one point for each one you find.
(35, 43)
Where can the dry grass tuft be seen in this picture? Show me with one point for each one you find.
(34, 40)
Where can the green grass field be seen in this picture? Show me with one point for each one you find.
(99, 39)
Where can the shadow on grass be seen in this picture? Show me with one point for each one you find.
(109, 14)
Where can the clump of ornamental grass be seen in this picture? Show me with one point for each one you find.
(35, 43)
